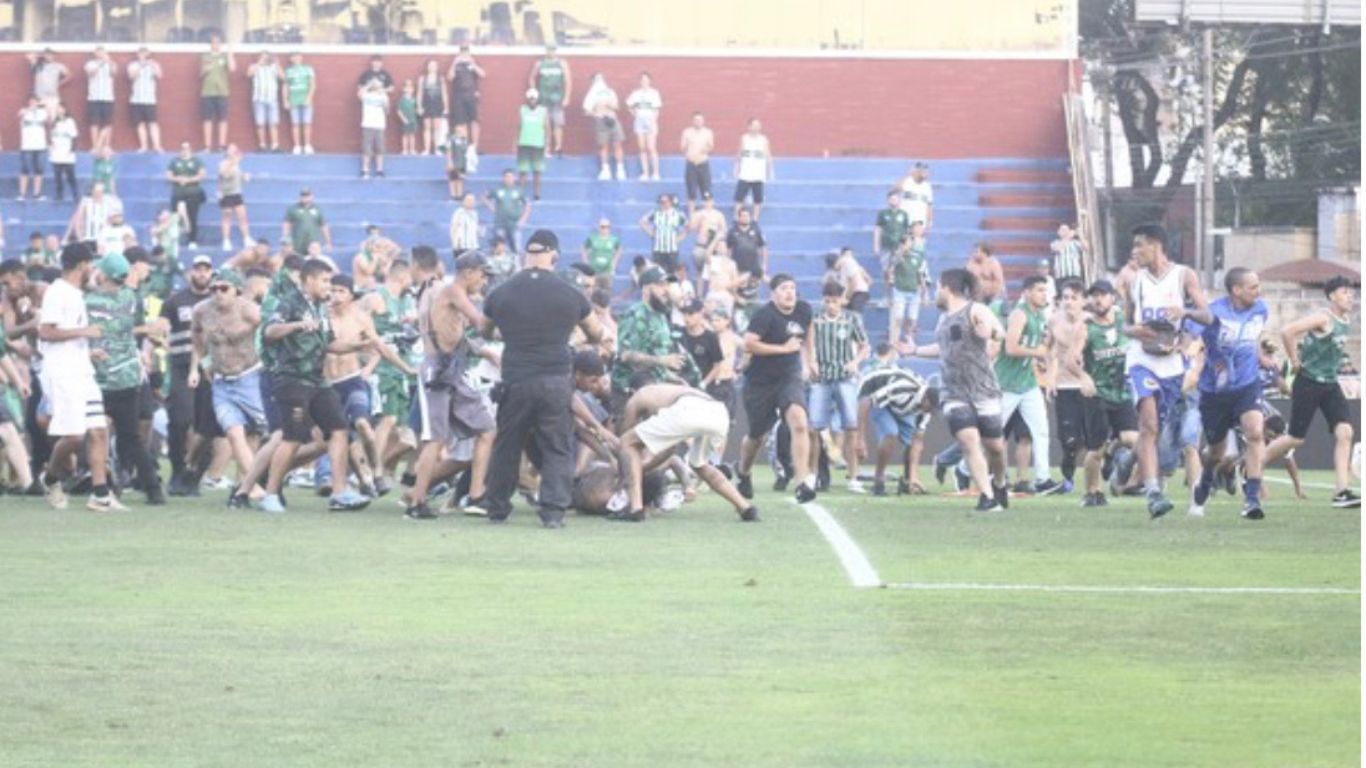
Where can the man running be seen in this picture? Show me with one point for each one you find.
(395, 318)
(1067, 331)
(1025, 347)
(836, 348)
(1104, 385)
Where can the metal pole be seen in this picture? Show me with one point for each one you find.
(1207, 218)
(1108, 218)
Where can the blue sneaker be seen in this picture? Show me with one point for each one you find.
(1067, 487)
(347, 501)
(272, 504)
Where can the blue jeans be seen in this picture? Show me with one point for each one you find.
(840, 394)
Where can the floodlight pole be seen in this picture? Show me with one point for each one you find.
(1206, 249)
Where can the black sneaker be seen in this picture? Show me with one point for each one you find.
(1048, 488)
(1003, 497)
(623, 516)
(1253, 511)
(1229, 478)
(1346, 499)
(780, 484)
(420, 512)
(35, 488)
(1022, 487)
(745, 485)
(383, 486)
(940, 470)
(961, 480)
(903, 487)
(554, 518)
(987, 503)
(1095, 500)
(725, 471)
(1158, 505)
(749, 515)
(879, 488)
(238, 500)
(805, 493)
(155, 496)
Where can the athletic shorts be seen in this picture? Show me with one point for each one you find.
(1105, 420)
(266, 113)
(1221, 412)
(556, 113)
(75, 402)
(465, 108)
(827, 397)
(213, 108)
(667, 261)
(303, 407)
(354, 395)
(237, 402)
(766, 403)
(983, 417)
(887, 424)
(697, 179)
(99, 113)
(1308, 397)
(1069, 408)
(143, 113)
(607, 130)
(753, 189)
(645, 124)
(31, 162)
(301, 115)
(395, 395)
(700, 421)
(1164, 391)
(230, 201)
(530, 159)
(450, 413)
(372, 141)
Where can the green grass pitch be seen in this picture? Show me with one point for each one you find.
(195, 636)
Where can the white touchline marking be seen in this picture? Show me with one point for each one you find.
(1122, 590)
(861, 573)
(1305, 483)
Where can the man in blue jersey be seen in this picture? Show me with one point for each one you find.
(1231, 387)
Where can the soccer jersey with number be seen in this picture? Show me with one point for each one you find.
(1151, 296)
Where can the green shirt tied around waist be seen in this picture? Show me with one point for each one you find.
(298, 357)
(601, 250)
(1321, 354)
(1103, 359)
(1016, 374)
(532, 132)
(116, 313)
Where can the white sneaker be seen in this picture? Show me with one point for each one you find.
(472, 159)
(604, 174)
(55, 496)
(654, 177)
(227, 246)
(855, 486)
(643, 177)
(108, 503)
(221, 484)
(308, 149)
(298, 149)
(621, 172)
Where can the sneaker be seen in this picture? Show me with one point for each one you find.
(1252, 511)
(604, 174)
(1230, 479)
(379, 174)
(745, 485)
(192, 245)
(239, 501)
(474, 506)
(940, 470)
(854, 486)
(749, 515)
(1346, 499)
(780, 483)
(805, 493)
(56, 497)
(643, 177)
(1022, 487)
(365, 174)
(419, 512)
(903, 487)
(155, 496)
(961, 480)
(987, 503)
(1048, 488)
(654, 177)
(623, 516)
(272, 503)
(42, 198)
(1067, 487)
(621, 172)
(1094, 500)
(298, 150)
(227, 246)
(1195, 510)
(302, 478)
(1158, 505)
(221, 484)
(1200, 493)
(1003, 497)
(438, 493)
(106, 503)
(308, 149)
(347, 501)
(879, 488)
(36, 488)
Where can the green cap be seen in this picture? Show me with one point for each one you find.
(113, 266)
(230, 277)
(651, 275)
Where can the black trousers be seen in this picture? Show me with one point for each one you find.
(537, 406)
(192, 201)
(124, 407)
(42, 446)
(179, 416)
(65, 171)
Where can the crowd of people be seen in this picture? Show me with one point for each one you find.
(509, 366)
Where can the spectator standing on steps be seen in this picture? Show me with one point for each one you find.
(601, 252)
(534, 125)
(49, 75)
(215, 69)
(186, 173)
(645, 104)
(510, 209)
(753, 168)
(63, 153)
(144, 74)
(266, 78)
(600, 103)
(33, 121)
(891, 228)
(697, 144)
(374, 117)
(464, 75)
(465, 225)
(304, 225)
(551, 78)
(1068, 254)
(99, 95)
(231, 177)
(300, 85)
(667, 227)
(917, 196)
(432, 105)
(908, 276)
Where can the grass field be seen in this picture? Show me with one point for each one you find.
(195, 636)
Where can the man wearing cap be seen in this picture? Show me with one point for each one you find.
(551, 78)
(115, 309)
(601, 252)
(185, 402)
(304, 224)
(535, 312)
(69, 384)
(454, 416)
(223, 345)
(298, 335)
(647, 353)
(1109, 410)
(531, 136)
(666, 227)
(776, 338)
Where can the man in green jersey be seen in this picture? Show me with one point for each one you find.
(305, 224)
(215, 66)
(534, 124)
(186, 173)
(1025, 348)
(893, 224)
(510, 209)
(601, 252)
(647, 352)
(1110, 413)
(299, 86)
(1315, 347)
(550, 76)
(907, 276)
(395, 318)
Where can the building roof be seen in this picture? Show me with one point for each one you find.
(1311, 271)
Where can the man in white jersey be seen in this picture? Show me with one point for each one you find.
(143, 74)
(99, 104)
(753, 167)
(265, 76)
(917, 196)
(69, 383)
(1163, 295)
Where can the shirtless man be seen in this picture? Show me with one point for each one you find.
(708, 226)
(256, 256)
(723, 278)
(987, 273)
(1066, 376)
(394, 313)
(223, 329)
(373, 259)
(349, 376)
(697, 144)
(451, 410)
(657, 418)
(22, 299)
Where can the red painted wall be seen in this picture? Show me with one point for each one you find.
(909, 108)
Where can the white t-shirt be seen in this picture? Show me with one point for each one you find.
(33, 130)
(64, 307)
(916, 199)
(374, 110)
(64, 135)
(645, 101)
(753, 157)
(112, 238)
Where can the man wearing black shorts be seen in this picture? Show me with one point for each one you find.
(1110, 413)
(465, 74)
(776, 338)
(1067, 331)
(298, 335)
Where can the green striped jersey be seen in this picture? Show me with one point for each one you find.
(836, 342)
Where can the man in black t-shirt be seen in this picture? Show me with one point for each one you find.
(187, 408)
(464, 75)
(701, 343)
(376, 71)
(535, 312)
(777, 340)
(746, 245)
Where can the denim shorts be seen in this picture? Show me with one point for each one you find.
(266, 112)
(825, 396)
(354, 394)
(887, 424)
(301, 115)
(237, 402)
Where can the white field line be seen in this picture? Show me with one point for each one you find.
(1306, 484)
(861, 572)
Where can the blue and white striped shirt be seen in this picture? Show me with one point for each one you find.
(99, 75)
(265, 83)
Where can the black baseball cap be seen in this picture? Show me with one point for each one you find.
(542, 240)
(692, 307)
(1100, 286)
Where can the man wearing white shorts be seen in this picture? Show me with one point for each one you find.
(657, 418)
(69, 384)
